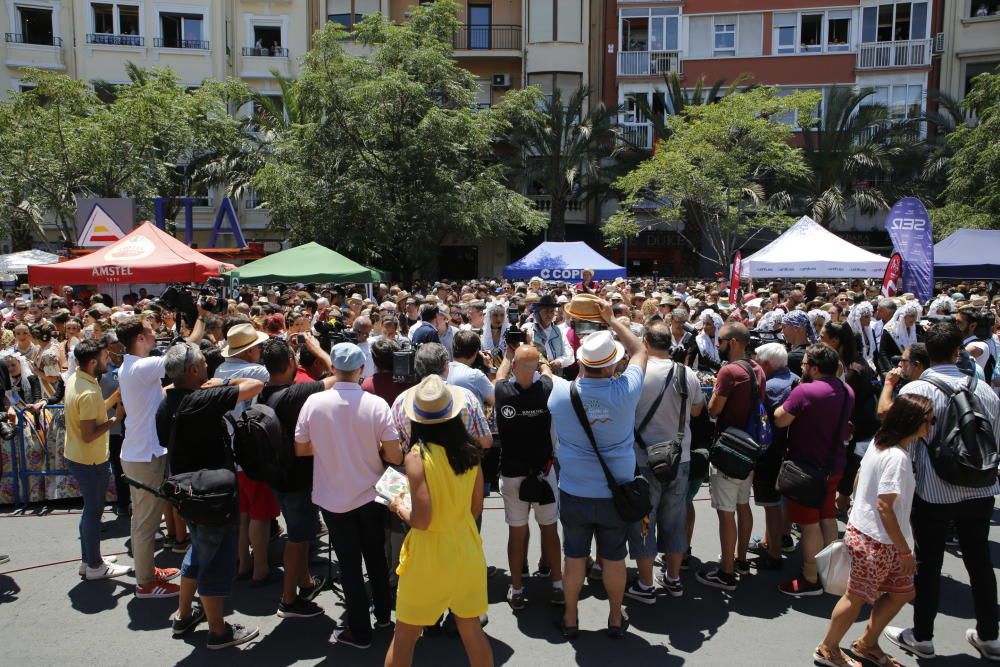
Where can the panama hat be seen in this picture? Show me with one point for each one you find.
(599, 350)
(433, 401)
(241, 338)
(584, 307)
(356, 297)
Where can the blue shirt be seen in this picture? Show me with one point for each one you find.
(472, 379)
(424, 333)
(778, 387)
(610, 404)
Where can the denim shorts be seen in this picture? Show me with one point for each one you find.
(583, 518)
(301, 516)
(666, 532)
(212, 557)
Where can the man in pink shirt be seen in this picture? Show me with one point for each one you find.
(349, 433)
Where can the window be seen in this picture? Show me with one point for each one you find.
(902, 21)
(266, 42)
(792, 117)
(555, 20)
(972, 70)
(785, 26)
(566, 82)
(648, 29)
(182, 31)
(104, 19)
(902, 101)
(128, 20)
(725, 39)
(349, 13)
(115, 24)
(838, 34)
(480, 20)
(812, 33)
(36, 26)
(983, 8)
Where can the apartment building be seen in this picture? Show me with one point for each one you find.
(971, 43)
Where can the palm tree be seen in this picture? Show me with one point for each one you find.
(852, 144)
(560, 150)
(678, 99)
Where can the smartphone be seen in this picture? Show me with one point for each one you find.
(300, 339)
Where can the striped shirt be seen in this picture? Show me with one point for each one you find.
(930, 487)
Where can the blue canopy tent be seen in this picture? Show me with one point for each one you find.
(968, 254)
(563, 261)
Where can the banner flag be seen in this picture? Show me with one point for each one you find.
(893, 272)
(909, 227)
(735, 292)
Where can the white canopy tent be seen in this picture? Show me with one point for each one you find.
(18, 262)
(808, 250)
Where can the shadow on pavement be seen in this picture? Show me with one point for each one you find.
(8, 589)
(93, 597)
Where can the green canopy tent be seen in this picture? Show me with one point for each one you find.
(309, 263)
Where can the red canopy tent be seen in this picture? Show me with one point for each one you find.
(146, 255)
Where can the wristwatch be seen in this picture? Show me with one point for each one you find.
(225, 383)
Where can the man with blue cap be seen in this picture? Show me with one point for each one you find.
(350, 435)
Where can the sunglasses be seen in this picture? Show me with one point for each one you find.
(933, 419)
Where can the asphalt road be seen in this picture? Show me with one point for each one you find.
(48, 616)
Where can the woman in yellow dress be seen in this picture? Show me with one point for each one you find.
(441, 565)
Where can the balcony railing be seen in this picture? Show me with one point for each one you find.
(486, 37)
(636, 135)
(543, 203)
(907, 53)
(648, 63)
(265, 52)
(41, 40)
(116, 40)
(162, 42)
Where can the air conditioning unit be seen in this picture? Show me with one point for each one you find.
(939, 43)
(501, 81)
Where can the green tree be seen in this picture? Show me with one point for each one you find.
(388, 159)
(678, 98)
(722, 174)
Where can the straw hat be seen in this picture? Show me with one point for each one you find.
(356, 297)
(241, 338)
(531, 298)
(599, 350)
(584, 307)
(433, 401)
(401, 297)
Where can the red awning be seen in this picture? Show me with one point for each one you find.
(147, 255)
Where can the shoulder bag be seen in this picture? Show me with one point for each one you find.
(631, 499)
(804, 482)
(735, 451)
(665, 457)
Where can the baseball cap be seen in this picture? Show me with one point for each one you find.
(347, 357)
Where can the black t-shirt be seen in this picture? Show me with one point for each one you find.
(202, 440)
(795, 356)
(524, 423)
(287, 402)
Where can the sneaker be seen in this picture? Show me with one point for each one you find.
(318, 583)
(300, 608)
(716, 578)
(180, 547)
(234, 635)
(800, 587)
(4, 558)
(988, 648)
(157, 589)
(83, 566)
(686, 561)
(515, 600)
(345, 636)
(904, 639)
(596, 573)
(741, 566)
(558, 597)
(757, 545)
(675, 588)
(491, 570)
(165, 574)
(383, 623)
(636, 592)
(787, 544)
(766, 562)
(182, 626)
(543, 571)
(105, 571)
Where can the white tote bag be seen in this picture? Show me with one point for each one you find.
(834, 565)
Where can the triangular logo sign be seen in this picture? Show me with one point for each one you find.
(100, 229)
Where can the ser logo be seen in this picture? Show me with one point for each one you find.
(508, 412)
(908, 224)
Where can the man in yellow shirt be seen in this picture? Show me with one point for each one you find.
(86, 452)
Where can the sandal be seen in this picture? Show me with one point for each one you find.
(567, 631)
(881, 658)
(822, 656)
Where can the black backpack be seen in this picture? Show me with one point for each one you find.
(258, 444)
(963, 450)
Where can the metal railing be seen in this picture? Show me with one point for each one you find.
(116, 40)
(639, 135)
(648, 63)
(265, 52)
(41, 40)
(162, 42)
(907, 53)
(486, 37)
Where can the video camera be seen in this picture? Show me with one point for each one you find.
(404, 364)
(758, 338)
(331, 333)
(213, 289)
(514, 336)
(584, 328)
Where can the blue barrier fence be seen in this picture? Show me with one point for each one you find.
(21, 467)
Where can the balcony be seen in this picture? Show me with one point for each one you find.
(105, 39)
(576, 210)
(887, 55)
(261, 52)
(648, 63)
(636, 135)
(164, 43)
(36, 40)
(487, 38)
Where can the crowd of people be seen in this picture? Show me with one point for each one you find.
(600, 407)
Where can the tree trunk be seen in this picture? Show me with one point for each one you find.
(22, 234)
(557, 220)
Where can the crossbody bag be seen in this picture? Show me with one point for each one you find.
(665, 457)
(631, 499)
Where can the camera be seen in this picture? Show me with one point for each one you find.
(758, 338)
(513, 316)
(331, 333)
(514, 337)
(404, 365)
(584, 328)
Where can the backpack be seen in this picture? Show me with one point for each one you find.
(963, 450)
(257, 444)
(759, 422)
(990, 367)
